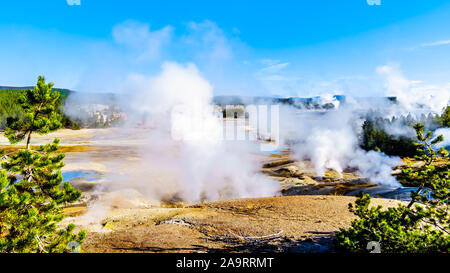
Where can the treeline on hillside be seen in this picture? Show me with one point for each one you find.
(10, 106)
(444, 119)
(87, 116)
(399, 143)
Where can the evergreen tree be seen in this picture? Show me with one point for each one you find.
(422, 228)
(444, 119)
(31, 195)
(374, 138)
(41, 115)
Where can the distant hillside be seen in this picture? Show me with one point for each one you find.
(309, 103)
(301, 103)
(64, 92)
(87, 98)
(103, 109)
(111, 98)
(10, 106)
(219, 100)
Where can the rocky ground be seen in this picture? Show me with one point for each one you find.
(300, 224)
(299, 178)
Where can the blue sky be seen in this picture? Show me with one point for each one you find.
(246, 47)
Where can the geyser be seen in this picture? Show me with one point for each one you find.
(330, 141)
(185, 155)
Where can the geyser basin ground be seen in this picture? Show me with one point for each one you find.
(306, 223)
(111, 156)
(105, 158)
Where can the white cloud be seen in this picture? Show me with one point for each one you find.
(275, 79)
(208, 41)
(437, 43)
(138, 37)
(431, 44)
(275, 67)
(269, 61)
(138, 47)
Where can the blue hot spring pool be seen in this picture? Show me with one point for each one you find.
(89, 176)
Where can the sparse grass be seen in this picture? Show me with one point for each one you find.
(412, 162)
(172, 205)
(344, 188)
(75, 211)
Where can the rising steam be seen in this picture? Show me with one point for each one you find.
(330, 141)
(185, 157)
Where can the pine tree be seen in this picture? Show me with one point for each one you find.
(41, 115)
(422, 228)
(31, 195)
(444, 119)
